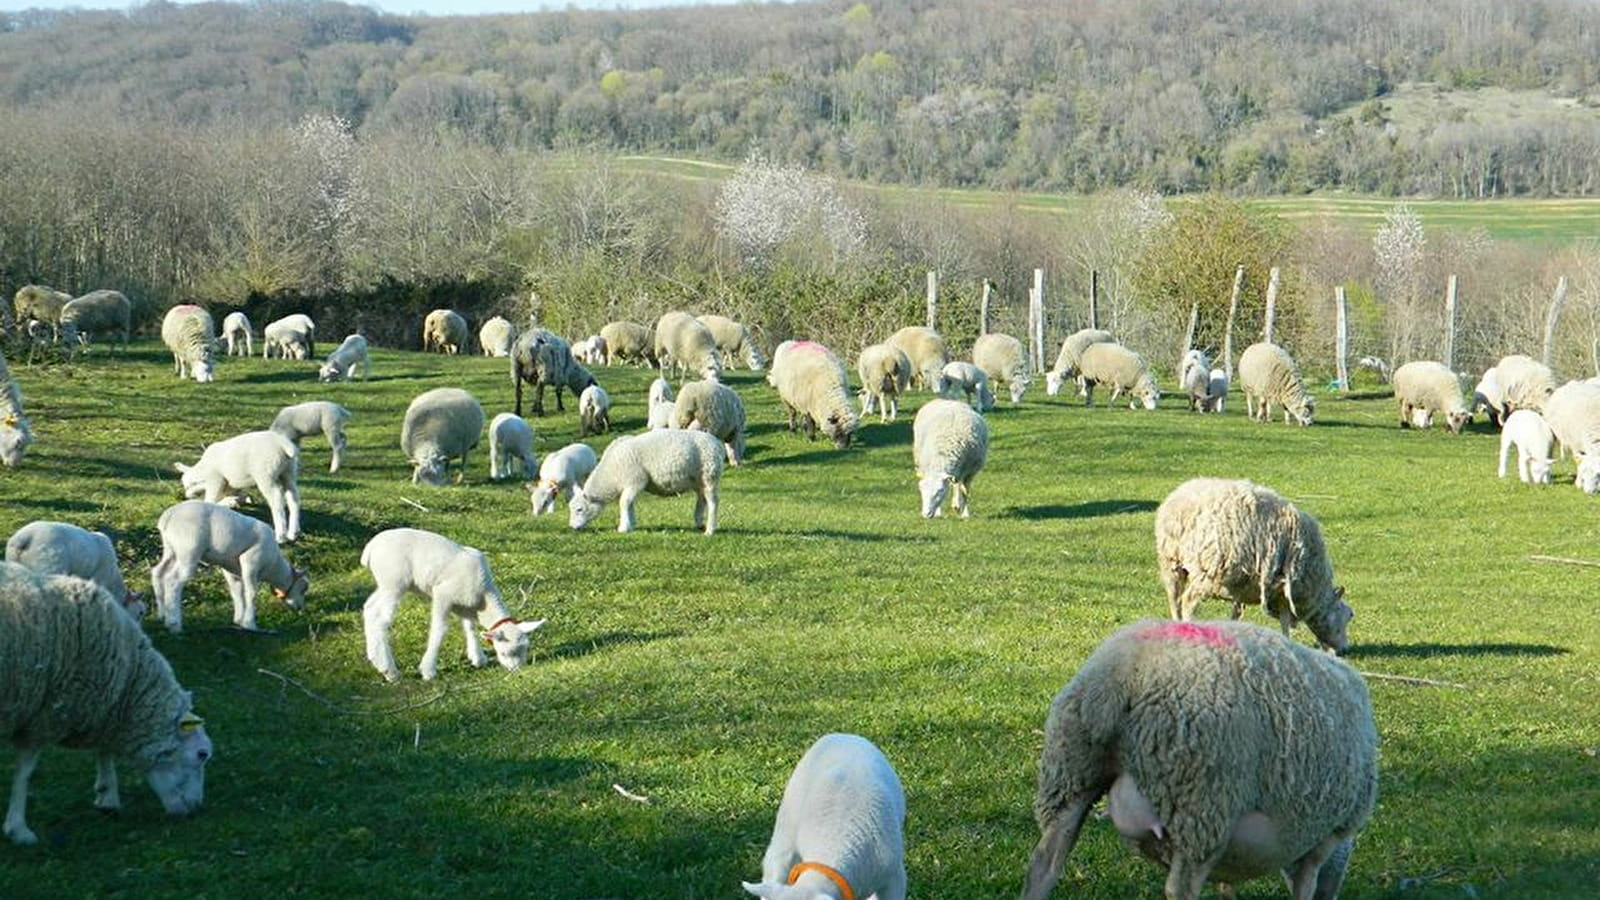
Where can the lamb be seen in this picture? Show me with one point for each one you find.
(1527, 383)
(341, 364)
(1488, 395)
(660, 390)
(191, 335)
(1277, 768)
(511, 442)
(1234, 539)
(1123, 369)
(239, 334)
(16, 433)
(75, 670)
(664, 463)
(734, 342)
(444, 331)
(1003, 359)
(1430, 386)
(949, 443)
(541, 358)
(1194, 378)
(1268, 375)
(196, 532)
(559, 474)
(968, 380)
(496, 336)
(661, 415)
(690, 346)
(293, 337)
(629, 342)
(716, 409)
(885, 375)
(926, 350)
(1216, 391)
(591, 351)
(457, 581)
(840, 828)
(324, 417)
(1067, 360)
(594, 411)
(440, 425)
(265, 459)
(812, 385)
(1573, 413)
(58, 548)
(95, 313)
(1532, 437)
(40, 302)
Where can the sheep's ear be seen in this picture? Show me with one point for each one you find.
(764, 889)
(180, 467)
(531, 627)
(1338, 592)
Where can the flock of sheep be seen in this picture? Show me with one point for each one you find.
(1281, 779)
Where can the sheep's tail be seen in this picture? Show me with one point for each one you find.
(366, 556)
(1060, 832)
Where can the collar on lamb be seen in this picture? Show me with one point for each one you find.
(829, 872)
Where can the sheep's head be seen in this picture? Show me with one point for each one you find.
(1147, 394)
(839, 427)
(1331, 623)
(133, 602)
(193, 479)
(202, 370)
(295, 596)
(935, 487)
(712, 370)
(1017, 386)
(330, 371)
(581, 510)
(1457, 420)
(15, 436)
(1307, 412)
(544, 497)
(1052, 383)
(1539, 470)
(178, 773)
(431, 469)
(1588, 479)
(509, 639)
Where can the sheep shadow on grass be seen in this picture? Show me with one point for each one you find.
(576, 649)
(1090, 510)
(1387, 650)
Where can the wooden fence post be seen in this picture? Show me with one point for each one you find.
(1341, 338)
(1556, 302)
(1450, 324)
(1038, 333)
(933, 299)
(983, 307)
(1188, 336)
(1272, 305)
(1233, 314)
(1094, 298)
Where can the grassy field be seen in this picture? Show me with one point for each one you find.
(694, 671)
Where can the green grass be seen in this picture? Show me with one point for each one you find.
(696, 670)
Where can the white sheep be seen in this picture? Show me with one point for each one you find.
(1526, 382)
(440, 425)
(949, 444)
(1231, 538)
(1003, 359)
(840, 830)
(189, 333)
(265, 460)
(96, 312)
(457, 581)
(195, 532)
(660, 390)
(1431, 386)
(1194, 379)
(959, 379)
(511, 447)
(1067, 360)
(293, 337)
(591, 351)
(815, 392)
(665, 463)
(629, 342)
(16, 433)
(734, 342)
(716, 409)
(926, 350)
(885, 375)
(1268, 375)
(342, 363)
(239, 334)
(302, 420)
(680, 339)
(661, 415)
(1225, 752)
(594, 411)
(1573, 413)
(76, 670)
(1489, 396)
(60, 548)
(1532, 437)
(559, 474)
(1124, 370)
(444, 331)
(496, 336)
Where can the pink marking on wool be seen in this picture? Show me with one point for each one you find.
(1189, 632)
(809, 346)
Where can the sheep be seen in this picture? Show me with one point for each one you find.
(926, 350)
(16, 432)
(885, 375)
(949, 444)
(1123, 369)
(664, 463)
(1067, 360)
(191, 335)
(840, 828)
(94, 313)
(1234, 539)
(324, 417)
(1532, 437)
(511, 442)
(239, 334)
(444, 331)
(1216, 391)
(341, 364)
(717, 410)
(265, 459)
(59, 548)
(1526, 382)
(812, 385)
(690, 346)
(966, 379)
(440, 425)
(1430, 386)
(1224, 752)
(457, 581)
(76, 671)
(1004, 360)
(196, 532)
(661, 415)
(1194, 379)
(40, 336)
(734, 342)
(1268, 375)
(41, 302)
(1573, 413)
(629, 342)
(1489, 396)
(559, 474)
(293, 337)
(660, 391)
(541, 358)
(594, 411)
(496, 336)
(591, 351)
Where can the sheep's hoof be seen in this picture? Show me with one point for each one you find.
(22, 836)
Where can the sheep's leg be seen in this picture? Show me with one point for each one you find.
(1054, 845)
(237, 586)
(496, 466)
(958, 499)
(1186, 877)
(1173, 578)
(1320, 873)
(625, 510)
(1405, 420)
(1088, 393)
(438, 624)
(1505, 449)
(291, 499)
(474, 649)
(167, 579)
(106, 796)
(336, 440)
(16, 825)
(376, 616)
(894, 888)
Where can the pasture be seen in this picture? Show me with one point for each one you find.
(694, 671)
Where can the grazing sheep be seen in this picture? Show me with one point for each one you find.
(511, 442)
(682, 340)
(1532, 436)
(661, 415)
(58, 548)
(559, 474)
(1123, 369)
(1430, 386)
(40, 336)
(293, 337)
(341, 364)
(966, 379)
(591, 351)
(926, 350)
(1067, 360)
(190, 334)
(1224, 538)
(324, 417)
(1378, 365)
(1268, 375)
(1224, 752)
(594, 411)
(15, 431)
(664, 463)
(496, 336)
(660, 391)
(812, 385)
(629, 342)
(96, 312)
(541, 358)
(1003, 359)
(239, 334)
(440, 425)
(734, 342)
(195, 532)
(1573, 413)
(457, 581)
(949, 444)
(1194, 379)
(76, 671)
(444, 331)
(264, 459)
(1489, 396)
(1526, 382)
(43, 304)
(716, 409)
(1216, 391)
(885, 375)
(840, 830)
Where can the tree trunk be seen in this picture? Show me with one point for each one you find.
(1233, 314)
(1188, 336)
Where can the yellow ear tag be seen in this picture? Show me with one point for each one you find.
(190, 723)
(11, 420)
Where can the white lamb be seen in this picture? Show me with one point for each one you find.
(594, 411)
(885, 375)
(266, 460)
(1573, 413)
(324, 417)
(1528, 431)
(239, 334)
(1003, 359)
(661, 415)
(496, 336)
(341, 364)
(440, 425)
(965, 379)
(191, 335)
(591, 351)
(660, 389)
(665, 463)
(293, 337)
(59, 548)
(949, 444)
(457, 581)
(16, 433)
(195, 532)
(511, 447)
(559, 474)
(1194, 379)
(840, 830)
(1216, 391)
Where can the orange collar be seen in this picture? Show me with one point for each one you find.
(832, 875)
